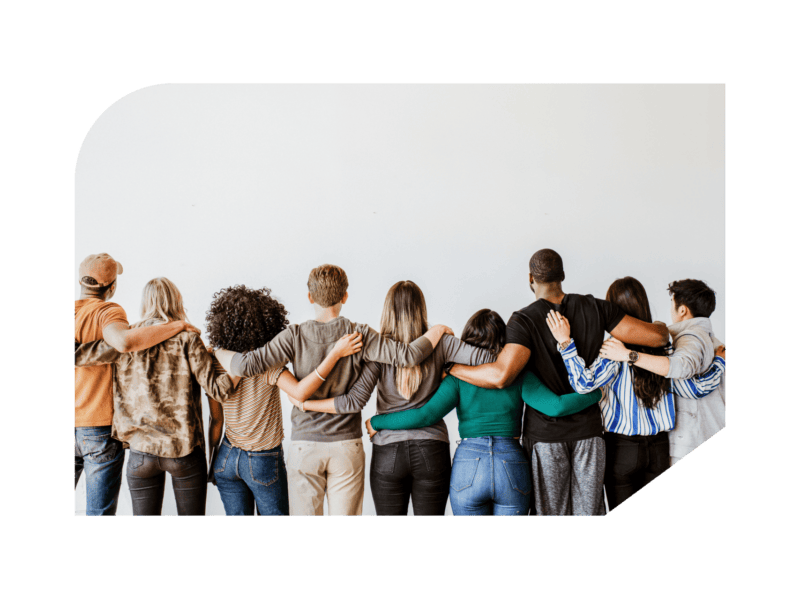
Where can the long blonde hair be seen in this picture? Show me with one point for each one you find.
(162, 300)
(404, 319)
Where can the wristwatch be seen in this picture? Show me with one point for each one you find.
(632, 357)
(564, 345)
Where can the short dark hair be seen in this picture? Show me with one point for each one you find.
(694, 295)
(91, 285)
(485, 329)
(241, 319)
(546, 266)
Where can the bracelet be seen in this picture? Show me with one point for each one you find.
(318, 375)
(303, 406)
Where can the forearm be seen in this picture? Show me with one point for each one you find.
(655, 364)
(323, 406)
(215, 428)
(414, 418)
(560, 406)
(490, 375)
(142, 338)
(305, 388)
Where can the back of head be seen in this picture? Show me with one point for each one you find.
(485, 329)
(404, 319)
(694, 295)
(162, 300)
(629, 294)
(242, 319)
(546, 266)
(327, 285)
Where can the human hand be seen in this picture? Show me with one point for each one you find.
(559, 326)
(444, 329)
(720, 351)
(615, 350)
(189, 327)
(348, 344)
(370, 430)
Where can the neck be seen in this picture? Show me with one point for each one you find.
(323, 315)
(86, 294)
(550, 291)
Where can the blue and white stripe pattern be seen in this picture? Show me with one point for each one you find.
(622, 411)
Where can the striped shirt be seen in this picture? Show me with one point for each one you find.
(621, 409)
(253, 417)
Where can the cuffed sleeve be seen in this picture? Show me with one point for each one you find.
(583, 380)
(357, 396)
(700, 386)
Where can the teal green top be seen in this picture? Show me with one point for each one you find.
(484, 412)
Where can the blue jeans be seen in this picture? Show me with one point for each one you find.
(490, 476)
(247, 480)
(101, 457)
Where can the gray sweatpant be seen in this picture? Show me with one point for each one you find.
(567, 476)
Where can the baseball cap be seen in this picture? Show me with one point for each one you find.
(98, 270)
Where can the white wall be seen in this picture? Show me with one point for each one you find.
(453, 187)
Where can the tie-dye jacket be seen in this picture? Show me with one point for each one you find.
(157, 400)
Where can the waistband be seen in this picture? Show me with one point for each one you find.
(489, 441)
(661, 436)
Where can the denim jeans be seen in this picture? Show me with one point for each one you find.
(633, 461)
(416, 469)
(491, 476)
(248, 480)
(147, 476)
(101, 457)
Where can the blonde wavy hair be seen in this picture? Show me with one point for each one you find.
(162, 300)
(404, 319)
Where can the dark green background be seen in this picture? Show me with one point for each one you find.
(714, 525)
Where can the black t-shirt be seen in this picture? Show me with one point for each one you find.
(588, 319)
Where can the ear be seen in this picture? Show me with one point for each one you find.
(344, 298)
(310, 299)
(530, 277)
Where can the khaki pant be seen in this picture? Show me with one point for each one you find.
(317, 468)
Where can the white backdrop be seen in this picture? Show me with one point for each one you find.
(453, 187)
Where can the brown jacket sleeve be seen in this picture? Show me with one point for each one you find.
(201, 362)
(95, 353)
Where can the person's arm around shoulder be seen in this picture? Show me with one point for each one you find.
(460, 352)
(126, 339)
(633, 331)
(302, 390)
(378, 348)
(583, 380)
(217, 385)
(538, 396)
(498, 374)
(700, 386)
(442, 402)
(278, 351)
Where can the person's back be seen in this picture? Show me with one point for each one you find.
(590, 318)
(695, 420)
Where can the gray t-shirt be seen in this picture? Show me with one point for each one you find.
(306, 346)
(449, 349)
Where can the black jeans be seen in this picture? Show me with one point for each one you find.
(419, 469)
(633, 461)
(147, 475)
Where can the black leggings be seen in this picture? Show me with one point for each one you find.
(633, 461)
(147, 475)
(419, 469)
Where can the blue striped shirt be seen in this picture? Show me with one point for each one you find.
(622, 411)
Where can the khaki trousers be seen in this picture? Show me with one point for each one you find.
(319, 468)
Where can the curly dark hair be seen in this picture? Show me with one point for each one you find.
(241, 319)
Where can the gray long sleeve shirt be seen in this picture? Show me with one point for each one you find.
(306, 346)
(449, 349)
(693, 342)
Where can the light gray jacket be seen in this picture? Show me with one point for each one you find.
(693, 342)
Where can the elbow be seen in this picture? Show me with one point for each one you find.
(500, 379)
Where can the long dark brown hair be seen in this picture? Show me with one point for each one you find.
(629, 295)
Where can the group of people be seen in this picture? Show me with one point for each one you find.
(550, 412)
